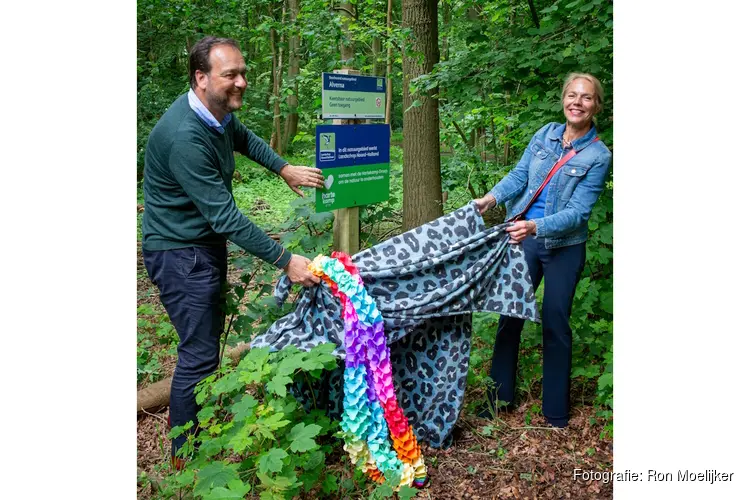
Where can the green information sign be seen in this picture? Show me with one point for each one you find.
(353, 96)
(355, 160)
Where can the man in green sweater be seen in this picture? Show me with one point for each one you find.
(190, 213)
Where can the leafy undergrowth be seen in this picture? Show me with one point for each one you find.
(513, 457)
(506, 458)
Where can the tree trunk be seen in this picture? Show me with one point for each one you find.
(347, 45)
(377, 50)
(445, 54)
(248, 43)
(389, 67)
(276, 66)
(534, 17)
(271, 81)
(292, 101)
(422, 193)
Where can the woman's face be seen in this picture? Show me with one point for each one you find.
(579, 102)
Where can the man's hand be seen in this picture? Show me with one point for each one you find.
(296, 176)
(297, 271)
(520, 230)
(485, 203)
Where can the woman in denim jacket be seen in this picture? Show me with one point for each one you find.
(553, 233)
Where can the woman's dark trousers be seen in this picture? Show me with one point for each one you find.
(190, 285)
(561, 269)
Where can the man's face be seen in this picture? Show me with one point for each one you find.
(225, 85)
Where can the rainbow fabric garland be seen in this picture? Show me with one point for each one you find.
(370, 408)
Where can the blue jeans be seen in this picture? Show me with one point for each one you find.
(561, 269)
(190, 285)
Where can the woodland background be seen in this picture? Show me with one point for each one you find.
(469, 82)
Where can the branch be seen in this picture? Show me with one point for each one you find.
(353, 15)
(533, 14)
(461, 133)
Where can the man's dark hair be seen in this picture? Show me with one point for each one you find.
(199, 55)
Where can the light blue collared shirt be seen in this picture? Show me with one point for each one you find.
(205, 115)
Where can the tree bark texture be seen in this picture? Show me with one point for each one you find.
(534, 17)
(276, 70)
(446, 30)
(377, 50)
(347, 45)
(292, 101)
(389, 66)
(422, 193)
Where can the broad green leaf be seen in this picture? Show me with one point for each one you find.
(277, 385)
(407, 493)
(277, 482)
(211, 447)
(310, 479)
(287, 366)
(242, 439)
(227, 384)
(214, 475)
(392, 478)
(185, 477)
(385, 490)
(314, 459)
(330, 484)
(265, 432)
(205, 414)
(275, 421)
(179, 429)
(348, 484)
(272, 460)
(250, 376)
(254, 358)
(244, 407)
(302, 436)
(271, 495)
(236, 490)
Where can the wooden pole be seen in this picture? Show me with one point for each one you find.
(346, 220)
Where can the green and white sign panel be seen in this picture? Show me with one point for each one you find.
(355, 160)
(353, 96)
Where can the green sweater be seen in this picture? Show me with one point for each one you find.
(187, 185)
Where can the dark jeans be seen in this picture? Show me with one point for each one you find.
(190, 284)
(561, 269)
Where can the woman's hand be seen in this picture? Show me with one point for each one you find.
(520, 230)
(485, 203)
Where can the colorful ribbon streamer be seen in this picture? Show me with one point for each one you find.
(371, 410)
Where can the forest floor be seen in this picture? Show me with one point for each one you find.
(517, 456)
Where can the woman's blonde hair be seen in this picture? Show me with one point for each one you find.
(598, 90)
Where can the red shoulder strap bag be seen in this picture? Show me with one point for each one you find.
(558, 165)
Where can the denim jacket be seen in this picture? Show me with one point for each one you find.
(573, 190)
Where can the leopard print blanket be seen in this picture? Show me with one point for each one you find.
(426, 283)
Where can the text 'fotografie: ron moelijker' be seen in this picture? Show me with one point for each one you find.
(705, 476)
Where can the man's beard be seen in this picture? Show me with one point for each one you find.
(222, 101)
